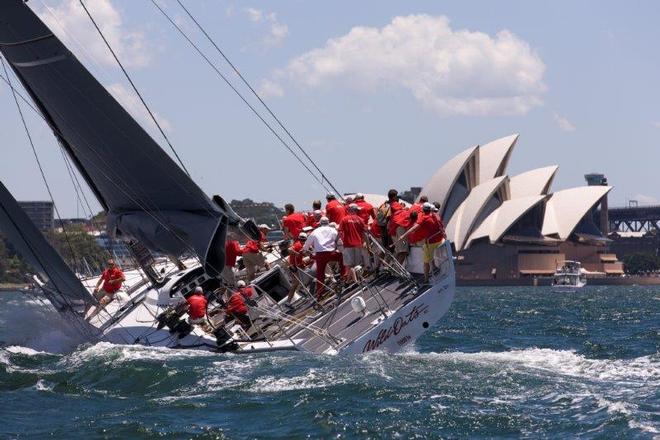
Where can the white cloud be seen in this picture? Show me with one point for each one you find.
(269, 88)
(132, 104)
(71, 25)
(656, 124)
(450, 71)
(563, 123)
(643, 199)
(277, 31)
(255, 15)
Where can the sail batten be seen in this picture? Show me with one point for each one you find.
(147, 196)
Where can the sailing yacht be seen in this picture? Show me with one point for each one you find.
(152, 204)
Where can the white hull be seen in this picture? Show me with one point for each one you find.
(402, 327)
(568, 287)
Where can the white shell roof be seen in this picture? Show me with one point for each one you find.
(564, 209)
(533, 182)
(438, 188)
(500, 220)
(462, 222)
(494, 157)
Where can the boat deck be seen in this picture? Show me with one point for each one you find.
(337, 324)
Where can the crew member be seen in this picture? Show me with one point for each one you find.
(316, 206)
(334, 210)
(293, 222)
(232, 250)
(108, 284)
(197, 307)
(384, 215)
(351, 231)
(252, 256)
(323, 241)
(398, 225)
(298, 263)
(366, 210)
(432, 232)
(417, 206)
(237, 306)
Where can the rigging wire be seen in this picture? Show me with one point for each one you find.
(238, 93)
(120, 188)
(41, 170)
(254, 92)
(128, 77)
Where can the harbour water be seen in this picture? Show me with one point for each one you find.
(505, 362)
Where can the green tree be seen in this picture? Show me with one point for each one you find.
(74, 244)
(641, 263)
(3, 259)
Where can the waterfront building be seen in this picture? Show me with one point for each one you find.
(40, 212)
(511, 227)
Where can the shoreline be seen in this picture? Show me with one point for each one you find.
(545, 281)
(12, 287)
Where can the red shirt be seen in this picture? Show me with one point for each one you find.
(432, 228)
(232, 251)
(294, 223)
(396, 206)
(253, 246)
(417, 207)
(366, 211)
(401, 218)
(196, 306)
(418, 234)
(335, 211)
(236, 304)
(107, 275)
(296, 255)
(351, 230)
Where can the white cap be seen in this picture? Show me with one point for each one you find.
(198, 290)
(240, 283)
(302, 235)
(349, 199)
(324, 220)
(318, 213)
(428, 206)
(353, 207)
(264, 226)
(308, 229)
(359, 196)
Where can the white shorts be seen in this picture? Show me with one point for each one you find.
(228, 275)
(352, 256)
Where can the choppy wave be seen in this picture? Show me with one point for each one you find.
(564, 362)
(465, 379)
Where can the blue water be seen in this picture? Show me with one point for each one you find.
(505, 362)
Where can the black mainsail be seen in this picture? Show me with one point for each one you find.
(146, 195)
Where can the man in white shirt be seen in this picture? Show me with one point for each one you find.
(323, 242)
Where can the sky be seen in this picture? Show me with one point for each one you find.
(379, 93)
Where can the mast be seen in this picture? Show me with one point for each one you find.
(147, 196)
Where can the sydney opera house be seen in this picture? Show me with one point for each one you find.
(515, 227)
